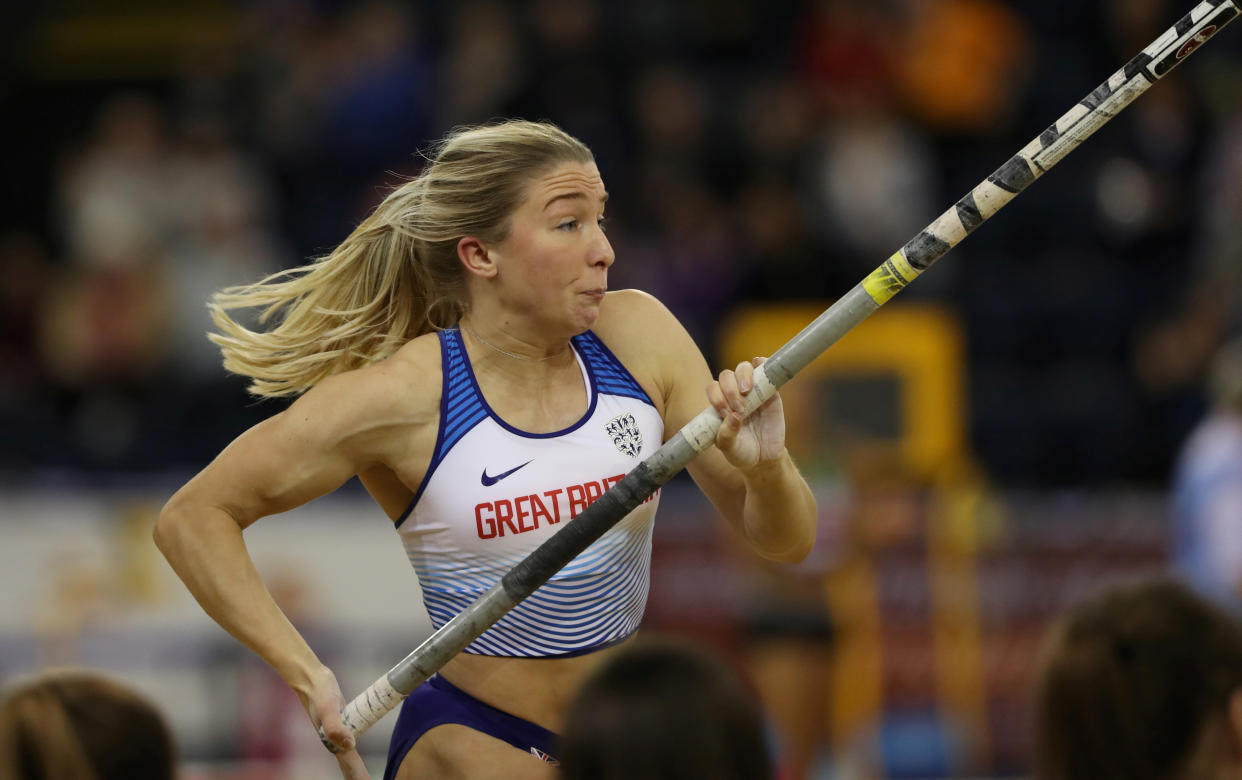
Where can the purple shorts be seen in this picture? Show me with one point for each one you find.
(437, 702)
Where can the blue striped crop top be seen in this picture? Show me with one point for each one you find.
(492, 493)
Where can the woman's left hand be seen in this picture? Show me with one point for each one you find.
(759, 438)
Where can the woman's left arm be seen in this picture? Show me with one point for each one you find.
(748, 476)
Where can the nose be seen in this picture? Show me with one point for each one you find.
(601, 250)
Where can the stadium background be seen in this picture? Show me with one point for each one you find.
(996, 442)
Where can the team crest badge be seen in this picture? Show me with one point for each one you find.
(623, 430)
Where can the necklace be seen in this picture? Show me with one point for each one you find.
(506, 352)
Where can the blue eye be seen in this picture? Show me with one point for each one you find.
(568, 225)
(603, 224)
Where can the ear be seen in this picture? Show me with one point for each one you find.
(473, 255)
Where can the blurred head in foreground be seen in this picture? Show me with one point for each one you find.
(1143, 682)
(663, 710)
(78, 725)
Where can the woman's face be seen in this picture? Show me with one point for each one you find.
(553, 266)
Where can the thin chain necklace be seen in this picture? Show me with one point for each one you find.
(513, 355)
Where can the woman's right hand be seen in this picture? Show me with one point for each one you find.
(324, 703)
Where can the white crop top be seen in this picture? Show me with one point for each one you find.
(493, 493)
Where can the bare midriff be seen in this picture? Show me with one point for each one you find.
(534, 689)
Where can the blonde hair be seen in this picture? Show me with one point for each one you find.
(81, 725)
(397, 275)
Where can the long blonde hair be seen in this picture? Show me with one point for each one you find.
(397, 275)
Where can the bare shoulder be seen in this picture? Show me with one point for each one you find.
(647, 338)
(381, 416)
(412, 377)
(402, 389)
(629, 307)
(632, 320)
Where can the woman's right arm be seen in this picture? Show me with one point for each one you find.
(342, 426)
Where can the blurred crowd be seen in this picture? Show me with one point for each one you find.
(754, 152)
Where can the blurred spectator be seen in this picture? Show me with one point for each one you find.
(113, 193)
(684, 248)
(770, 151)
(1151, 215)
(290, 51)
(788, 638)
(875, 189)
(659, 709)
(671, 114)
(1207, 490)
(1136, 23)
(846, 51)
(106, 326)
(1221, 201)
(103, 328)
(575, 74)
(780, 256)
(222, 210)
(158, 220)
(378, 97)
(343, 94)
(1140, 683)
(74, 725)
(26, 280)
(102, 337)
(777, 121)
(962, 64)
(688, 256)
(484, 65)
(1173, 354)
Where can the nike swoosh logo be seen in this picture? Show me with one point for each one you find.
(489, 481)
